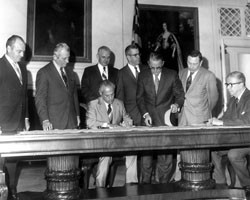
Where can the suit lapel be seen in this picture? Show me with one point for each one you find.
(130, 73)
(13, 73)
(103, 110)
(97, 72)
(57, 76)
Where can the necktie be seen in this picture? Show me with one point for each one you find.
(19, 74)
(236, 101)
(136, 72)
(156, 83)
(64, 77)
(189, 81)
(110, 113)
(104, 77)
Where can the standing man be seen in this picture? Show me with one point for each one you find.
(127, 83)
(13, 88)
(56, 92)
(126, 92)
(106, 111)
(237, 114)
(13, 96)
(201, 93)
(158, 90)
(94, 75)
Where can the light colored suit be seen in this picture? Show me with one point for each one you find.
(200, 99)
(96, 116)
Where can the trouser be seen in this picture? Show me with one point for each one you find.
(103, 168)
(219, 170)
(238, 159)
(163, 168)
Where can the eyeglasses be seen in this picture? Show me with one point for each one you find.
(232, 84)
(136, 54)
(155, 68)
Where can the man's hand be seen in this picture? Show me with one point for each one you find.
(148, 120)
(27, 124)
(174, 108)
(78, 121)
(47, 125)
(215, 121)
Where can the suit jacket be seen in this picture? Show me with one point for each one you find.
(126, 92)
(91, 80)
(170, 91)
(97, 113)
(54, 101)
(200, 99)
(238, 113)
(13, 97)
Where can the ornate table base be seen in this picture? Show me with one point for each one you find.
(62, 177)
(196, 170)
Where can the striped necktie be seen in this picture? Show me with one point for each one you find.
(110, 113)
(19, 74)
(189, 81)
(156, 83)
(104, 76)
(64, 77)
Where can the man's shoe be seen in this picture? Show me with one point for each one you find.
(130, 184)
(221, 186)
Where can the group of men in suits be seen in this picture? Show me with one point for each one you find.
(134, 95)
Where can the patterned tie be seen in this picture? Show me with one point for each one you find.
(104, 77)
(110, 113)
(64, 77)
(136, 72)
(19, 74)
(236, 101)
(189, 81)
(156, 83)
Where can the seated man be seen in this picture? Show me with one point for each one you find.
(237, 114)
(108, 112)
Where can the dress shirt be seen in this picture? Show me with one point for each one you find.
(193, 76)
(132, 68)
(58, 68)
(16, 67)
(102, 70)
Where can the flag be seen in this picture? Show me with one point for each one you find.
(136, 39)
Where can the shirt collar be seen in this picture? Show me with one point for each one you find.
(101, 68)
(239, 97)
(133, 67)
(9, 59)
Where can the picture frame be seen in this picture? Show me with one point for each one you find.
(181, 21)
(50, 22)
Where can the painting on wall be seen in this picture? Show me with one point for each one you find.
(54, 21)
(171, 30)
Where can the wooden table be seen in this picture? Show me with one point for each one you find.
(62, 148)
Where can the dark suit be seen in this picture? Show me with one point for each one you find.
(13, 97)
(170, 91)
(54, 101)
(126, 91)
(91, 80)
(237, 114)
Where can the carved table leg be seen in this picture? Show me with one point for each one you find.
(196, 170)
(62, 177)
(3, 186)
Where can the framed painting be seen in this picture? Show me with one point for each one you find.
(179, 22)
(54, 21)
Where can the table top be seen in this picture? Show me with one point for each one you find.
(35, 143)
